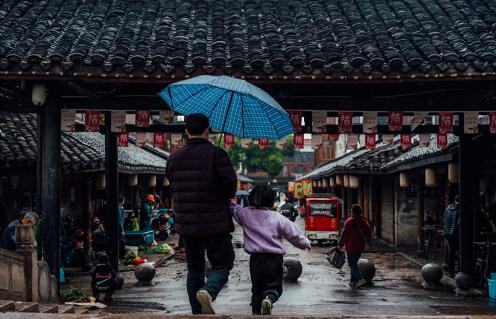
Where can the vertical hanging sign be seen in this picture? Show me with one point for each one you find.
(123, 140)
(263, 143)
(92, 121)
(445, 122)
(159, 139)
(387, 138)
(316, 141)
(118, 122)
(166, 116)
(228, 140)
(299, 140)
(67, 120)
(370, 141)
(319, 122)
(424, 140)
(295, 117)
(492, 122)
(406, 141)
(417, 119)
(176, 138)
(345, 122)
(140, 139)
(442, 140)
(281, 143)
(245, 142)
(142, 118)
(395, 121)
(471, 122)
(370, 122)
(351, 141)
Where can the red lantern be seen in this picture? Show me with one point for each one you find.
(263, 143)
(442, 140)
(345, 122)
(228, 140)
(295, 117)
(406, 141)
(370, 141)
(159, 139)
(123, 140)
(299, 140)
(445, 122)
(395, 121)
(92, 121)
(142, 118)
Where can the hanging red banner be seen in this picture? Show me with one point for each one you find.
(492, 122)
(159, 139)
(263, 143)
(442, 140)
(299, 140)
(445, 122)
(228, 140)
(295, 117)
(92, 121)
(333, 137)
(123, 140)
(345, 122)
(395, 121)
(406, 141)
(370, 141)
(142, 118)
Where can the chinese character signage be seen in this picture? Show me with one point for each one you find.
(142, 118)
(395, 121)
(67, 120)
(370, 141)
(92, 121)
(417, 119)
(307, 188)
(140, 139)
(295, 117)
(445, 122)
(176, 138)
(345, 122)
(228, 140)
(166, 116)
(424, 140)
(118, 122)
(351, 141)
(263, 143)
(316, 141)
(281, 143)
(123, 140)
(442, 140)
(319, 122)
(370, 122)
(299, 140)
(387, 138)
(406, 141)
(471, 122)
(245, 142)
(159, 139)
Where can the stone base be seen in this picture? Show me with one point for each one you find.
(472, 292)
(432, 286)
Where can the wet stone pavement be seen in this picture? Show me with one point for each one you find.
(321, 290)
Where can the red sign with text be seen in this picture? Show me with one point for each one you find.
(299, 140)
(406, 141)
(159, 139)
(442, 140)
(142, 118)
(445, 122)
(295, 117)
(92, 121)
(395, 121)
(263, 143)
(123, 140)
(370, 141)
(345, 122)
(228, 140)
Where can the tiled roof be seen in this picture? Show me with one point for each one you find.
(381, 160)
(252, 36)
(300, 157)
(79, 151)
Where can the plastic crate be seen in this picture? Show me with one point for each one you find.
(139, 237)
(491, 287)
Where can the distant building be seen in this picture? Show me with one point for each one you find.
(299, 164)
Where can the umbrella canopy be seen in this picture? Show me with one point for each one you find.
(232, 105)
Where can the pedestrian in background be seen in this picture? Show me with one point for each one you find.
(354, 238)
(202, 181)
(146, 212)
(263, 231)
(8, 239)
(450, 231)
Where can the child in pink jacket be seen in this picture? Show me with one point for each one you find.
(263, 231)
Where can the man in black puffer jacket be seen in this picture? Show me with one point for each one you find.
(202, 181)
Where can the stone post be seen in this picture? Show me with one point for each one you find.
(26, 245)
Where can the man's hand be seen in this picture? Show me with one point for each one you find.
(123, 233)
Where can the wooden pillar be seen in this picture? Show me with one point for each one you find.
(50, 190)
(112, 193)
(39, 180)
(420, 210)
(87, 217)
(466, 167)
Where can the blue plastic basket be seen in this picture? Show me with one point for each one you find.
(139, 237)
(493, 275)
(491, 287)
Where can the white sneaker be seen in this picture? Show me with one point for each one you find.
(205, 301)
(360, 283)
(266, 307)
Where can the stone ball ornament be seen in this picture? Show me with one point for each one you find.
(464, 281)
(367, 268)
(292, 269)
(432, 273)
(145, 273)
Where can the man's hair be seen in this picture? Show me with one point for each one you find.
(196, 123)
(103, 259)
(262, 196)
(33, 216)
(356, 210)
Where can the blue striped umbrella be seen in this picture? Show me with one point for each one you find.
(233, 106)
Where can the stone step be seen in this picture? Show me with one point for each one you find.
(66, 309)
(49, 308)
(81, 311)
(7, 306)
(27, 307)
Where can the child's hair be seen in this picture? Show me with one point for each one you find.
(262, 196)
(103, 259)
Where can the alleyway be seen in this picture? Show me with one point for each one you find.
(320, 291)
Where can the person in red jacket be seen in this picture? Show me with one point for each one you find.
(356, 234)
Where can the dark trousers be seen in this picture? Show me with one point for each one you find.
(266, 279)
(220, 253)
(452, 241)
(353, 258)
(108, 293)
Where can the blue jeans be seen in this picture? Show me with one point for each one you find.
(220, 253)
(353, 258)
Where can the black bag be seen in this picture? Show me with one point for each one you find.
(336, 257)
